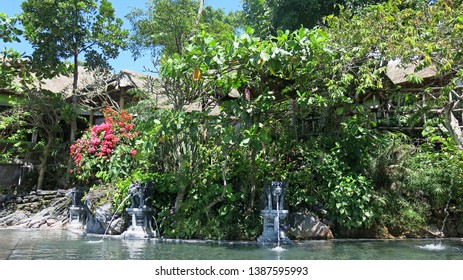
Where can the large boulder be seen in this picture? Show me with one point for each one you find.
(100, 214)
(307, 225)
(98, 218)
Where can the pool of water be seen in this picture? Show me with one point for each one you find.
(64, 245)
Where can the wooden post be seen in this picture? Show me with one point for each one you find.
(92, 117)
(398, 110)
(424, 104)
(121, 98)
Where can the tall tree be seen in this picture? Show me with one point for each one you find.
(66, 29)
(268, 16)
(165, 26)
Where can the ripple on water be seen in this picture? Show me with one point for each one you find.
(278, 249)
(94, 241)
(433, 247)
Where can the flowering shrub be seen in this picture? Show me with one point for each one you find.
(106, 151)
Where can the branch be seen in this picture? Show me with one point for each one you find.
(200, 11)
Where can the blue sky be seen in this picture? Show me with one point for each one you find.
(122, 7)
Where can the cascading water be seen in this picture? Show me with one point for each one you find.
(277, 226)
(278, 222)
(157, 227)
(446, 211)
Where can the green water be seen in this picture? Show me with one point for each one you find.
(64, 245)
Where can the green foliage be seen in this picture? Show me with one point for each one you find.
(269, 16)
(59, 30)
(165, 26)
(41, 113)
(8, 31)
(347, 194)
(15, 72)
(342, 173)
(364, 43)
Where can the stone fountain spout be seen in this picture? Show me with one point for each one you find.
(76, 210)
(140, 211)
(274, 214)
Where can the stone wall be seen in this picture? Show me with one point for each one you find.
(37, 209)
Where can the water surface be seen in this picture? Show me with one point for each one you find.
(42, 244)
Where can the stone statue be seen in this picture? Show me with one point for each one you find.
(140, 196)
(276, 190)
(268, 196)
(135, 195)
(279, 192)
(147, 194)
(141, 211)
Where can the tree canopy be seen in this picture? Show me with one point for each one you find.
(165, 26)
(14, 67)
(67, 29)
(269, 16)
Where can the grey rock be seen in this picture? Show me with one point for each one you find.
(13, 219)
(45, 193)
(307, 225)
(117, 226)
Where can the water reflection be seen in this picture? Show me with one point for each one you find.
(62, 245)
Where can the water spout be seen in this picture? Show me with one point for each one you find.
(447, 213)
(277, 224)
(157, 227)
(115, 212)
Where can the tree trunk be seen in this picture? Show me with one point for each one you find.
(453, 126)
(44, 159)
(180, 197)
(224, 190)
(74, 99)
(252, 191)
(200, 11)
(72, 137)
(181, 174)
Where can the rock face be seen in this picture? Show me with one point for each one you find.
(97, 222)
(37, 209)
(100, 214)
(307, 225)
(50, 209)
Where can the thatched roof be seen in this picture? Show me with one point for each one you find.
(397, 73)
(93, 85)
(87, 80)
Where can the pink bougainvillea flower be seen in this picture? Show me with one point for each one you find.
(102, 141)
